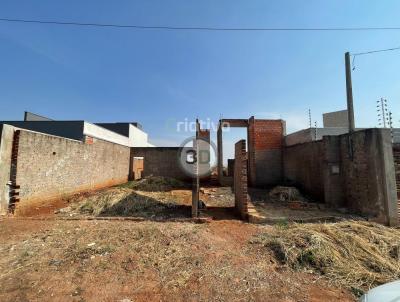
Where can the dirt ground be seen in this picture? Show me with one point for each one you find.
(54, 253)
(56, 260)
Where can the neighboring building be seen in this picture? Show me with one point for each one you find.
(126, 134)
(335, 124)
(336, 119)
(313, 134)
(137, 137)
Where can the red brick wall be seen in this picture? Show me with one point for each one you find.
(265, 151)
(268, 134)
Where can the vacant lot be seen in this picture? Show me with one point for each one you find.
(147, 261)
(158, 259)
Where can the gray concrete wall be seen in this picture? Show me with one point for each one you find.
(368, 174)
(354, 171)
(331, 172)
(29, 116)
(312, 134)
(268, 167)
(6, 138)
(161, 161)
(336, 119)
(303, 167)
(50, 167)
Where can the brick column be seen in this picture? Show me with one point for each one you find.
(240, 179)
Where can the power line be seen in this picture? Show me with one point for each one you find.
(375, 51)
(201, 28)
(370, 52)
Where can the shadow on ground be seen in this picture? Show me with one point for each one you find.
(220, 213)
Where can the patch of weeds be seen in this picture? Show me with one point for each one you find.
(277, 247)
(394, 252)
(307, 257)
(87, 207)
(283, 224)
(357, 291)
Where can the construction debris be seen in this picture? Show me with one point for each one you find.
(286, 194)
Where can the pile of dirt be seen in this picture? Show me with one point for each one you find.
(125, 202)
(357, 255)
(156, 183)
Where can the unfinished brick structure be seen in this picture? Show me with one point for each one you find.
(240, 179)
(265, 143)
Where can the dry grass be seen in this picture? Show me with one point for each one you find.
(357, 255)
(145, 261)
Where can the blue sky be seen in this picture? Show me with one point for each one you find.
(158, 77)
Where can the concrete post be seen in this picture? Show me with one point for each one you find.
(220, 154)
(349, 92)
(388, 176)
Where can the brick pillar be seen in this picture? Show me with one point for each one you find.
(240, 179)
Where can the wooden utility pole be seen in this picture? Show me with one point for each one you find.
(349, 91)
